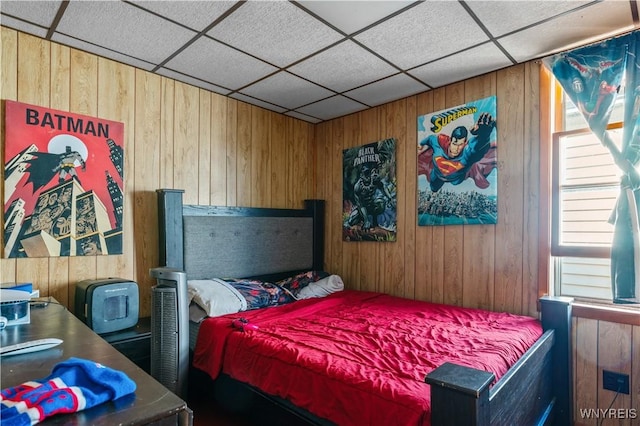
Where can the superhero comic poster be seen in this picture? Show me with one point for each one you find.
(457, 173)
(63, 183)
(369, 192)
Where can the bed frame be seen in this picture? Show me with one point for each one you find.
(210, 241)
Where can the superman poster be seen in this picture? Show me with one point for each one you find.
(457, 173)
(369, 192)
(63, 183)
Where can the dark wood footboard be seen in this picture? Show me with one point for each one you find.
(535, 391)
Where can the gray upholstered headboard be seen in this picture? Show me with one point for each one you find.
(237, 242)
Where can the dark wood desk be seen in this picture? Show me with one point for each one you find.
(151, 403)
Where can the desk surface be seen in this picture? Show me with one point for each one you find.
(150, 403)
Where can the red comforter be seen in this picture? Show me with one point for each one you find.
(359, 358)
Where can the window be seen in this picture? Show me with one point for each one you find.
(584, 188)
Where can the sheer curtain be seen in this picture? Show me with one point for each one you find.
(591, 76)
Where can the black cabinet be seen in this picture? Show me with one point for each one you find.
(134, 343)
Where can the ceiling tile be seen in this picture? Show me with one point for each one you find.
(461, 66)
(275, 31)
(396, 48)
(352, 16)
(604, 19)
(218, 64)
(257, 102)
(193, 81)
(286, 90)
(333, 107)
(197, 15)
(389, 89)
(36, 12)
(121, 27)
(502, 17)
(423, 33)
(343, 67)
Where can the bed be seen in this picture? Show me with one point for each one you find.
(374, 364)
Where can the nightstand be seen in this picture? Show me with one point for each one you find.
(134, 343)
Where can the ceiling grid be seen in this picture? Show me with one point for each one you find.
(317, 60)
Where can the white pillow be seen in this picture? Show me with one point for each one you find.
(196, 313)
(215, 296)
(321, 288)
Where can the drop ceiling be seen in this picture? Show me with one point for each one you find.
(317, 60)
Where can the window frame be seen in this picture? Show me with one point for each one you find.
(550, 99)
(552, 122)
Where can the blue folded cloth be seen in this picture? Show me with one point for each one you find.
(73, 385)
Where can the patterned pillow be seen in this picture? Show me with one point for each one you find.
(296, 283)
(260, 294)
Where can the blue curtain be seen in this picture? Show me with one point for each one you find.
(591, 76)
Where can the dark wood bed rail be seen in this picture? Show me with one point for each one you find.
(535, 391)
(556, 314)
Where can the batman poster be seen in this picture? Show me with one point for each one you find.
(63, 183)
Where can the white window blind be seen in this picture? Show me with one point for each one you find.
(588, 182)
(584, 277)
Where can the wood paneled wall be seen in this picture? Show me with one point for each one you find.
(226, 152)
(219, 150)
(602, 345)
(485, 266)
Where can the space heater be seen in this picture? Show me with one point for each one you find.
(169, 329)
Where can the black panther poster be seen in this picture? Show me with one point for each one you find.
(369, 192)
